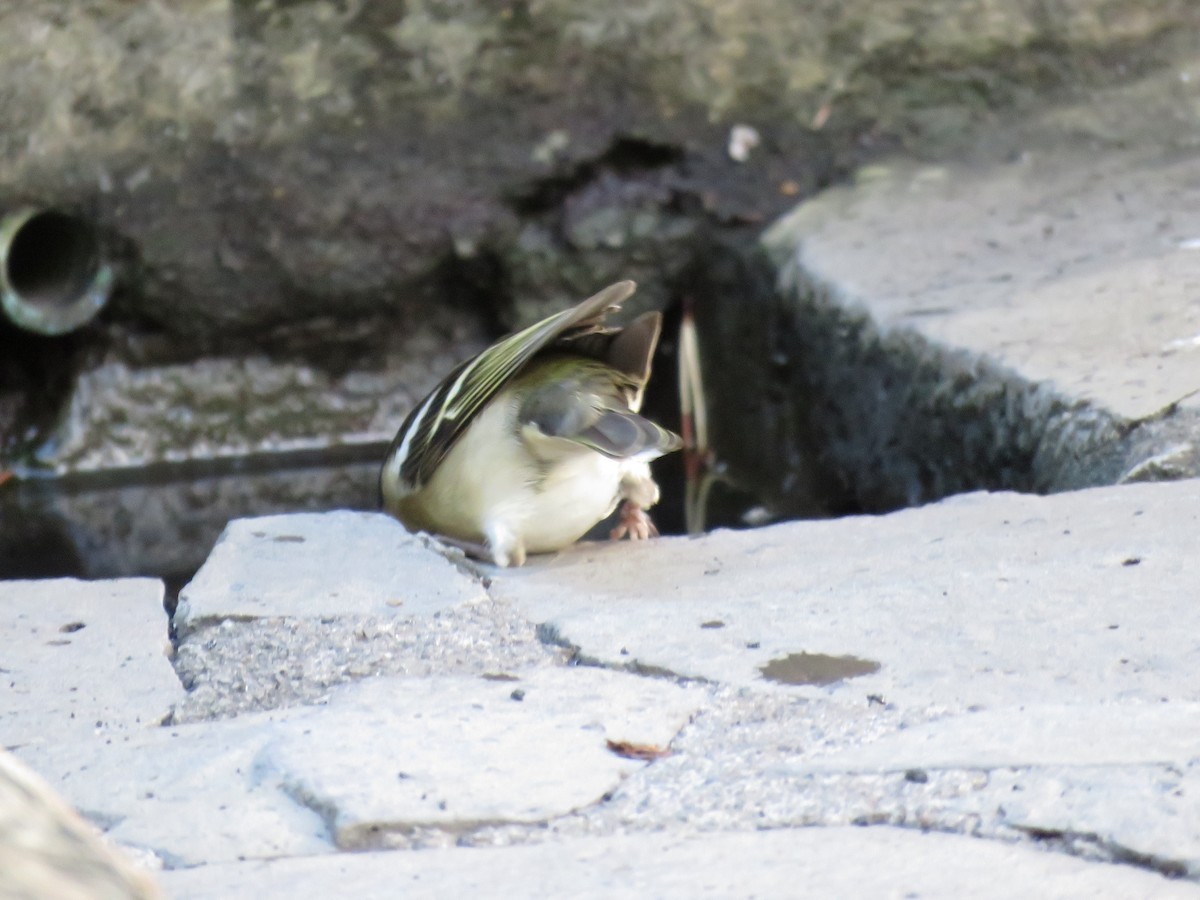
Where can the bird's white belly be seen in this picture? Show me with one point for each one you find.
(490, 478)
(580, 492)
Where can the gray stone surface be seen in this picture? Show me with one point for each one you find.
(818, 862)
(979, 600)
(1161, 733)
(82, 661)
(299, 567)
(1082, 276)
(386, 762)
(391, 758)
(1007, 713)
(269, 663)
(758, 761)
(1146, 815)
(184, 795)
(124, 414)
(1021, 320)
(1036, 670)
(289, 606)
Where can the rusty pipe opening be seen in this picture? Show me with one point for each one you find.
(53, 277)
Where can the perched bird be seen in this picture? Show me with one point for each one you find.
(525, 447)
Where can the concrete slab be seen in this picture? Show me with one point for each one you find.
(980, 600)
(754, 761)
(1146, 815)
(387, 761)
(82, 661)
(124, 416)
(318, 565)
(824, 862)
(1085, 276)
(389, 758)
(1118, 734)
(289, 606)
(1037, 669)
(186, 794)
(240, 667)
(1028, 324)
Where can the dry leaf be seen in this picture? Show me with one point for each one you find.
(645, 752)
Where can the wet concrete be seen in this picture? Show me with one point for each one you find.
(816, 668)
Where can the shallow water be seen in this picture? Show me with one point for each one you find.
(816, 668)
(161, 522)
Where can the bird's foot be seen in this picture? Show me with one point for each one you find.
(506, 549)
(635, 522)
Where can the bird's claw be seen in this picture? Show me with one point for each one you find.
(635, 522)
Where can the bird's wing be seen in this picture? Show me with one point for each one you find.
(626, 435)
(587, 406)
(434, 425)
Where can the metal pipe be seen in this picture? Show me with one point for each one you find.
(53, 277)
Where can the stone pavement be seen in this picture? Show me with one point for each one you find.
(1031, 324)
(995, 695)
(1025, 721)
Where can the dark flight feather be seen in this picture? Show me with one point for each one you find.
(434, 425)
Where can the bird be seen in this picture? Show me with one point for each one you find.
(525, 447)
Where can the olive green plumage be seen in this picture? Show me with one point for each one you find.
(526, 446)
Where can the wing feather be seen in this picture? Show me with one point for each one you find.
(586, 403)
(433, 426)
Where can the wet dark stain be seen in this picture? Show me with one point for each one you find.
(714, 623)
(71, 627)
(288, 539)
(1132, 561)
(816, 668)
(499, 676)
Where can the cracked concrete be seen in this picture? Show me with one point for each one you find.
(281, 613)
(1036, 698)
(385, 762)
(830, 862)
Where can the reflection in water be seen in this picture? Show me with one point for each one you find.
(161, 525)
(816, 668)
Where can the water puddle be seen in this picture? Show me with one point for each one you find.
(816, 668)
(163, 523)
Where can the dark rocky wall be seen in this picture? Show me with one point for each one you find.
(260, 164)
